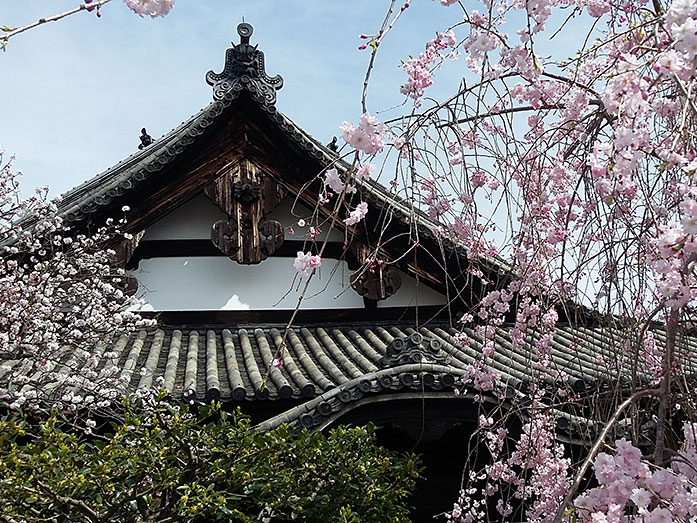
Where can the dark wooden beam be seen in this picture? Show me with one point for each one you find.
(191, 319)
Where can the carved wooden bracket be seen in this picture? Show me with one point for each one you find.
(130, 284)
(374, 281)
(377, 283)
(125, 249)
(246, 195)
(124, 252)
(251, 242)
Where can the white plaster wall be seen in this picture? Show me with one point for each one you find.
(410, 294)
(289, 212)
(190, 221)
(212, 283)
(218, 283)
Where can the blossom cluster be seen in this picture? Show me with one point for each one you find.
(333, 181)
(675, 249)
(151, 8)
(357, 214)
(305, 263)
(627, 483)
(536, 473)
(63, 301)
(368, 137)
(419, 69)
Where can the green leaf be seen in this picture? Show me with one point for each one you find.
(234, 475)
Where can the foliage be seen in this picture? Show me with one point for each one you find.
(168, 464)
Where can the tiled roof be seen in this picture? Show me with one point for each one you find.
(324, 368)
(116, 182)
(78, 203)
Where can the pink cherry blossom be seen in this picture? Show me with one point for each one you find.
(357, 214)
(151, 8)
(368, 137)
(306, 262)
(333, 180)
(419, 70)
(365, 170)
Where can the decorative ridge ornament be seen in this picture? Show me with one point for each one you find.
(244, 69)
(415, 348)
(145, 139)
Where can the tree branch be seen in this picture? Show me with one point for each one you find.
(80, 505)
(508, 111)
(82, 7)
(664, 387)
(596, 447)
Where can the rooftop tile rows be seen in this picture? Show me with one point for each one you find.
(236, 364)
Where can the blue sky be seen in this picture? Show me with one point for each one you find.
(74, 94)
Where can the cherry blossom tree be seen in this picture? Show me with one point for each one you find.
(63, 298)
(574, 168)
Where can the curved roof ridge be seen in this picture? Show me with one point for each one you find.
(115, 181)
(135, 157)
(344, 393)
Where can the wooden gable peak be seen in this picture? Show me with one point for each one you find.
(247, 195)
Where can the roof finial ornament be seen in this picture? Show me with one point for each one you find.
(245, 31)
(244, 69)
(333, 146)
(145, 139)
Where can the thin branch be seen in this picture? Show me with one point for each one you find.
(80, 505)
(83, 7)
(506, 111)
(375, 43)
(664, 387)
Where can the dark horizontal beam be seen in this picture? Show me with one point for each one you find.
(148, 249)
(190, 319)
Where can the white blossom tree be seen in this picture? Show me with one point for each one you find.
(63, 300)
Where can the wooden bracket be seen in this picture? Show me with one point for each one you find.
(247, 196)
(375, 280)
(252, 243)
(125, 249)
(376, 283)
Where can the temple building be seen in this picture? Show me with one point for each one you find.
(219, 209)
